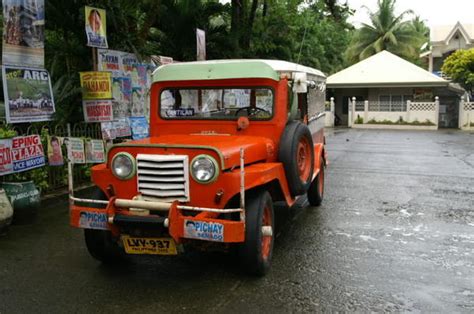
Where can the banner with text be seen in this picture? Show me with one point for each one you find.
(96, 85)
(23, 32)
(95, 151)
(28, 94)
(27, 153)
(97, 110)
(96, 27)
(6, 164)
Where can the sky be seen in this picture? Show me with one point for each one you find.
(435, 12)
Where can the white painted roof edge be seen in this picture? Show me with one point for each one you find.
(277, 65)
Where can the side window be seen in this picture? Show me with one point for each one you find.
(316, 99)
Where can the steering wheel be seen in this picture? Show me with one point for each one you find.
(251, 111)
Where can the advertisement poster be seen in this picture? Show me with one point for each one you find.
(55, 153)
(122, 128)
(108, 131)
(96, 85)
(28, 94)
(6, 165)
(200, 45)
(122, 97)
(75, 150)
(110, 60)
(96, 27)
(140, 128)
(138, 102)
(23, 32)
(27, 153)
(97, 110)
(95, 151)
(128, 61)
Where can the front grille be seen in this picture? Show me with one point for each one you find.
(163, 177)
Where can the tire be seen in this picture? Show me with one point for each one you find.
(296, 152)
(255, 253)
(100, 243)
(316, 189)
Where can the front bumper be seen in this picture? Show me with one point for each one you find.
(205, 225)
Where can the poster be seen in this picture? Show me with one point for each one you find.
(96, 27)
(200, 44)
(23, 33)
(110, 60)
(96, 85)
(27, 153)
(122, 128)
(122, 97)
(28, 94)
(138, 102)
(95, 151)
(97, 110)
(55, 154)
(75, 150)
(128, 60)
(108, 131)
(6, 165)
(140, 128)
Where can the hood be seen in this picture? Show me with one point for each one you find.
(256, 148)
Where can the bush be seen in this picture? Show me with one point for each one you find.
(359, 120)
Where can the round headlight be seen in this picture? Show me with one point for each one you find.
(204, 169)
(123, 166)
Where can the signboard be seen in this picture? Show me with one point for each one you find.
(55, 154)
(96, 85)
(75, 150)
(95, 151)
(200, 44)
(110, 60)
(96, 27)
(28, 94)
(6, 165)
(140, 128)
(122, 96)
(97, 110)
(23, 33)
(27, 153)
(122, 128)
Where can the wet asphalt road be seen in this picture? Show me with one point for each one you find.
(395, 233)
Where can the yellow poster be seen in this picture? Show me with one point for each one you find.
(96, 27)
(96, 85)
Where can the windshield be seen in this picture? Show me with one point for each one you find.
(217, 103)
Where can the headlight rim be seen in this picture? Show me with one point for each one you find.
(134, 166)
(214, 162)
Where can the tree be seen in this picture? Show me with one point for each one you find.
(459, 66)
(386, 31)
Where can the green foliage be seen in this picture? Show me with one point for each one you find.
(388, 31)
(400, 121)
(6, 131)
(460, 67)
(359, 120)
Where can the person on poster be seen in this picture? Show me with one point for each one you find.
(96, 27)
(55, 154)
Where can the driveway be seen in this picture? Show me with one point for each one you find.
(395, 233)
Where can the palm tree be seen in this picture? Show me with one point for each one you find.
(386, 31)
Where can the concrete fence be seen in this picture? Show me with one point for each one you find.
(330, 109)
(466, 115)
(404, 115)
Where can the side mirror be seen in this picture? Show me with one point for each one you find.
(242, 123)
(300, 82)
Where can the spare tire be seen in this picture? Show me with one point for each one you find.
(296, 152)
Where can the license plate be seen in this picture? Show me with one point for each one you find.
(158, 246)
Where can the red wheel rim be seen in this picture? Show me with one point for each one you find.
(266, 240)
(321, 180)
(303, 159)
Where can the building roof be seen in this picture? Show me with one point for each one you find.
(443, 33)
(384, 70)
(229, 69)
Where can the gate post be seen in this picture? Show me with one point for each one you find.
(437, 112)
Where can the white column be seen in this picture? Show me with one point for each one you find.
(333, 111)
(430, 62)
(408, 110)
(351, 111)
(366, 111)
(437, 111)
(461, 113)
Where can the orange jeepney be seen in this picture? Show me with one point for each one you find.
(228, 138)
